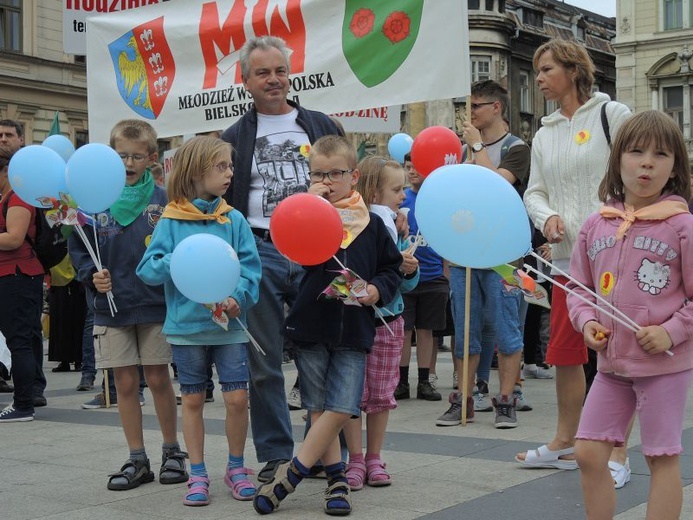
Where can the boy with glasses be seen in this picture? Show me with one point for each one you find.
(132, 336)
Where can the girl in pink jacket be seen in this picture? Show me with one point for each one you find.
(636, 253)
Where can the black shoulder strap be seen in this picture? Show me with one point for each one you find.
(605, 124)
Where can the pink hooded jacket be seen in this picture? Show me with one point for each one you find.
(648, 275)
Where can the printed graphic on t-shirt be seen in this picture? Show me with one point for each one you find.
(283, 166)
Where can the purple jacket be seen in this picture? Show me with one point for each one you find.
(648, 275)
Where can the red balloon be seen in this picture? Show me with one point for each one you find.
(306, 229)
(434, 147)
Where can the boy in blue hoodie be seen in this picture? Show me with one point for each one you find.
(132, 336)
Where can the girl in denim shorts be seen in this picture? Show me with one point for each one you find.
(201, 174)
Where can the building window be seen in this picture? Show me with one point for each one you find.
(81, 138)
(481, 68)
(473, 5)
(673, 14)
(525, 92)
(673, 103)
(533, 18)
(550, 106)
(11, 25)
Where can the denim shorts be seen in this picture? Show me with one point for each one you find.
(331, 377)
(231, 362)
(493, 304)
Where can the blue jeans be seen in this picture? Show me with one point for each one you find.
(492, 304)
(21, 301)
(193, 362)
(331, 378)
(269, 411)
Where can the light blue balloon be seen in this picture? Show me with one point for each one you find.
(472, 216)
(205, 268)
(60, 144)
(398, 146)
(35, 173)
(95, 176)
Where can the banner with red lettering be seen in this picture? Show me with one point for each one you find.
(75, 13)
(176, 65)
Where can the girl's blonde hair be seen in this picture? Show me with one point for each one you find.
(371, 179)
(640, 130)
(572, 56)
(191, 162)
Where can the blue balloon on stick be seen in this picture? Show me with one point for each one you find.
(95, 176)
(472, 216)
(37, 174)
(61, 145)
(399, 145)
(205, 268)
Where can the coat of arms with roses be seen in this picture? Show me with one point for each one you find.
(378, 35)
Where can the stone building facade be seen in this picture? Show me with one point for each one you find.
(653, 47)
(37, 78)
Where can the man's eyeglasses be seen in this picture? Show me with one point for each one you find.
(223, 166)
(333, 175)
(136, 157)
(477, 106)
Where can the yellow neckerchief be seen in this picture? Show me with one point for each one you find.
(355, 217)
(661, 210)
(186, 210)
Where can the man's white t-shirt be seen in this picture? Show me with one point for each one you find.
(280, 165)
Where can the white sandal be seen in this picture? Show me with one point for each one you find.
(543, 457)
(620, 473)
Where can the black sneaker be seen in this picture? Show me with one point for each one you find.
(402, 391)
(40, 401)
(425, 391)
(11, 414)
(5, 387)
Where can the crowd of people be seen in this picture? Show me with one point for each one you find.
(619, 342)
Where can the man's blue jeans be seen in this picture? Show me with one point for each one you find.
(269, 412)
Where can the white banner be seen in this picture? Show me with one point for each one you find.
(176, 64)
(383, 120)
(75, 14)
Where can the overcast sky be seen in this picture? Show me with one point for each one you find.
(603, 7)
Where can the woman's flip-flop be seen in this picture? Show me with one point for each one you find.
(620, 473)
(543, 457)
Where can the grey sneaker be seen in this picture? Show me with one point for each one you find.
(294, 399)
(521, 402)
(482, 402)
(453, 416)
(536, 372)
(99, 401)
(505, 411)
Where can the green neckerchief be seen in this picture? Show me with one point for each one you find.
(133, 200)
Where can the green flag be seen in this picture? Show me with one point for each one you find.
(55, 127)
(361, 151)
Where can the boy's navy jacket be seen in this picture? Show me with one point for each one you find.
(121, 250)
(315, 319)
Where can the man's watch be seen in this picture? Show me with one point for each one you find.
(477, 147)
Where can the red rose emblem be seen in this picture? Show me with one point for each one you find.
(396, 26)
(362, 22)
